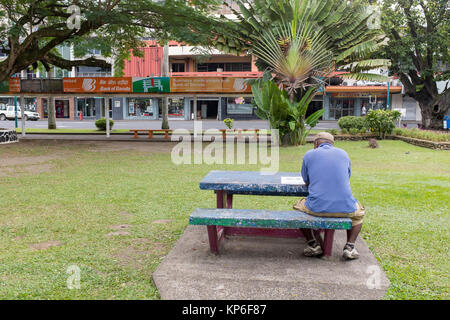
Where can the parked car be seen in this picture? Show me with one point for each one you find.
(8, 113)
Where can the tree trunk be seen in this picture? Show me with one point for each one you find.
(432, 115)
(165, 73)
(165, 113)
(51, 113)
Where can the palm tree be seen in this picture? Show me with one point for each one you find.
(336, 28)
(299, 43)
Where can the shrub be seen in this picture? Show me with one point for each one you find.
(229, 123)
(438, 136)
(350, 122)
(333, 131)
(344, 131)
(101, 124)
(353, 131)
(382, 121)
(363, 130)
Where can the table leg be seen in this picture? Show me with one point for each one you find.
(328, 242)
(213, 241)
(229, 201)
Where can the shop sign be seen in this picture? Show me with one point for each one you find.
(209, 84)
(98, 84)
(357, 95)
(14, 85)
(154, 84)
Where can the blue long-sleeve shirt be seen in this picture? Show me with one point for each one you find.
(327, 171)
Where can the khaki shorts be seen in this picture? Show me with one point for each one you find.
(357, 216)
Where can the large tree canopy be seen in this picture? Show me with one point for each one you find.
(418, 47)
(30, 30)
(351, 36)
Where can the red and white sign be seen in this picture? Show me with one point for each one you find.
(98, 84)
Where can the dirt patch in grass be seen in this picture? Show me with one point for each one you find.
(139, 255)
(126, 214)
(162, 221)
(160, 147)
(45, 245)
(118, 233)
(120, 227)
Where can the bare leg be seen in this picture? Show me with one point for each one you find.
(353, 233)
(308, 234)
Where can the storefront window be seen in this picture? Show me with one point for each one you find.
(239, 105)
(5, 101)
(374, 103)
(140, 107)
(30, 104)
(86, 106)
(341, 108)
(62, 108)
(176, 107)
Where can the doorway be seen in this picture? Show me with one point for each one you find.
(209, 108)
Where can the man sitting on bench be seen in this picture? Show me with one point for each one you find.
(326, 171)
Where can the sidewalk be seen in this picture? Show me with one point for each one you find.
(266, 268)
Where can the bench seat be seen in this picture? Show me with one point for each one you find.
(222, 222)
(265, 219)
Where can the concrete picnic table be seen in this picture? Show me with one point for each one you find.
(228, 183)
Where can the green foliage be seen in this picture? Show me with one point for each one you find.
(437, 136)
(288, 117)
(353, 131)
(33, 29)
(350, 122)
(334, 132)
(101, 124)
(382, 121)
(229, 123)
(417, 34)
(343, 24)
(271, 106)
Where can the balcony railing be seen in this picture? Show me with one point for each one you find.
(93, 74)
(240, 74)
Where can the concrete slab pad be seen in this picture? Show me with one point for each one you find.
(265, 268)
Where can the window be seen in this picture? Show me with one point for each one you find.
(226, 67)
(86, 107)
(176, 107)
(97, 52)
(93, 71)
(239, 105)
(341, 108)
(140, 107)
(177, 67)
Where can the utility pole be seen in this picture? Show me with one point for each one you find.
(15, 112)
(165, 99)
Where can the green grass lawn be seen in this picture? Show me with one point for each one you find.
(75, 195)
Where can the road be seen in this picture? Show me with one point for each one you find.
(155, 124)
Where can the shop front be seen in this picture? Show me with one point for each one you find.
(63, 108)
(238, 108)
(341, 101)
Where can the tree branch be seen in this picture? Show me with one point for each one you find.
(53, 59)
